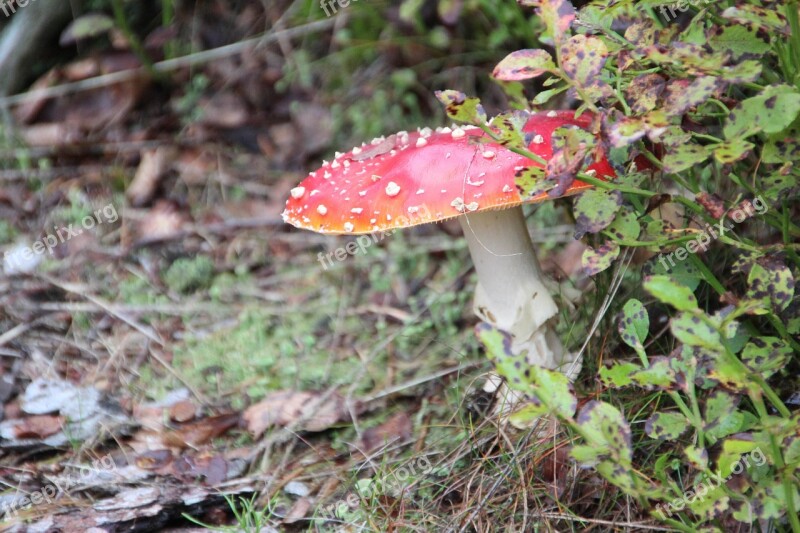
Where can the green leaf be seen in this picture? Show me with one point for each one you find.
(508, 126)
(85, 27)
(513, 367)
(766, 355)
(668, 291)
(682, 95)
(557, 16)
(666, 426)
(531, 181)
(618, 374)
(744, 72)
(603, 426)
(461, 108)
(660, 374)
(730, 373)
(607, 433)
(554, 390)
(771, 111)
(759, 17)
(582, 59)
(625, 226)
(684, 156)
(770, 502)
(772, 282)
(523, 65)
(731, 151)
(682, 272)
(523, 418)
(594, 261)
(543, 97)
(707, 500)
(588, 455)
(634, 324)
(719, 410)
(643, 92)
(692, 330)
(698, 457)
(739, 40)
(595, 209)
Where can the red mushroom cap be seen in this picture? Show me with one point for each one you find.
(425, 176)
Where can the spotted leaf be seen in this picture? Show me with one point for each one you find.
(671, 292)
(523, 65)
(634, 324)
(595, 260)
(531, 181)
(720, 419)
(771, 282)
(462, 108)
(666, 426)
(731, 151)
(766, 355)
(771, 111)
(625, 226)
(508, 128)
(682, 95)
(707, 500)
(618, 374)
(759, 17)
(571, 152)
(697, 457)
(512, 367)
(554, 390)
(557, 16)
(681, 157)
(659, 374)
(692, 330)
(582, 59)
(739, 41)
(595, 209)
(606, 430)
(643, 92)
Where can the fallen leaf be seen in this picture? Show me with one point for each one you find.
(306, 409)
(154, 165)
(38, 427)
(396, 428)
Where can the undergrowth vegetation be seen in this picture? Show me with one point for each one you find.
(694, 418)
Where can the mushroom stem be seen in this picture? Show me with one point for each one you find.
(511, 293)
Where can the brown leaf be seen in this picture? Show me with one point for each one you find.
(183, 411)
(38, 426)
(164, 221)
(298, 512)
(154, 459)
(154, 165)
(712, 204)
(396, 428)
(200, 432)
(306, 409)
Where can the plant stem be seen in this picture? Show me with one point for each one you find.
(133, 40)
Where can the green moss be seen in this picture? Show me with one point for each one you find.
(187, 275)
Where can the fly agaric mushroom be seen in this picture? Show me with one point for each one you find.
(445, 173)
